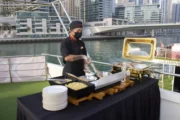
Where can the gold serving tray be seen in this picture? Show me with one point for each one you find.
(139, 49)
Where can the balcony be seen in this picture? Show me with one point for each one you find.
(23, 27)
(53, 27)
(38, 23)
(23, 23)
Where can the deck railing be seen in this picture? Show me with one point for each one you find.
(165, 71)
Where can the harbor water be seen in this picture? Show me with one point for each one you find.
(100, 50)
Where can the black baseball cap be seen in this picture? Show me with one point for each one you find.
(75, 24)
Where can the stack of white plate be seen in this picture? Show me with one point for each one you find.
(55, 97)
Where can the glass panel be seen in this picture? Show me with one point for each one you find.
(142, 49)
(139, 49)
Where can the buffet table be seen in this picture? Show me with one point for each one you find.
(140, 102)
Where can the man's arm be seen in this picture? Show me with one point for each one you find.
(68, 56)
(71, 58)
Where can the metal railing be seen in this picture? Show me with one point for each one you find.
(160, 72)
(58, 58)
(109, 64)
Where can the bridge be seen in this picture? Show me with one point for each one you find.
(121, 28)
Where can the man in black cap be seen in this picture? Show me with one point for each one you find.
(73, 51)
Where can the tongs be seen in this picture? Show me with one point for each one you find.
(79, 78)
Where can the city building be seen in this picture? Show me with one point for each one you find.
(43, 22)
(143, 2)
(120, 12)
(137, 2)
(155, 1)
(126, 2)
(72, 7)
(143, 14)
(166, 7)
(176, 13)
(8, 7)
(96, 10)
(39, 24)
(107, 22)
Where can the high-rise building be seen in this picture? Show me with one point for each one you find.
(97, 10)
(10, 7)
(134, 2)
(120, 12)
(42, 22)
(39, 24)
(176, 13)
(143, 2)
(83, 10)
(143, 14)
(155, 1)
(137, 2)
(72, 7)
(166, 7)
(126, 2)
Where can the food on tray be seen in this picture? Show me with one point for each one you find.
(63, 81)
(76, 85)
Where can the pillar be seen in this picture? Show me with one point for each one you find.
(152, 33)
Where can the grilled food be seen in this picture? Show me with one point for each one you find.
(76, 85)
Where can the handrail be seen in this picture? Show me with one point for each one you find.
(104, 63)
(166, 73)
(51, 55)
(22, 56)
(109, 64)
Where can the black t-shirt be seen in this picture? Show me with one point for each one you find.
(73, 47)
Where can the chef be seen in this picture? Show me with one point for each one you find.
(73, 51)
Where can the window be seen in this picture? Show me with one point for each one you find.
(23, 30)
(38, 25)
(23, 25)
(53, 30)
(38, 30)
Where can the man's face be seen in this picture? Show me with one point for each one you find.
(77, 30)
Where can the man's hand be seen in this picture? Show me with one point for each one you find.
(86, 59)
(86, 68)
(99, 74)
(71, 58)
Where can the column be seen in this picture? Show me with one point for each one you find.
(152, 32)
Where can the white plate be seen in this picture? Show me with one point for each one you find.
(54, 103)
(55, 95)
(55, 90)
(49, 100)
(58, 105)
(54, 108)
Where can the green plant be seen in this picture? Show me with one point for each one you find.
(28, 28)
(6, 25)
